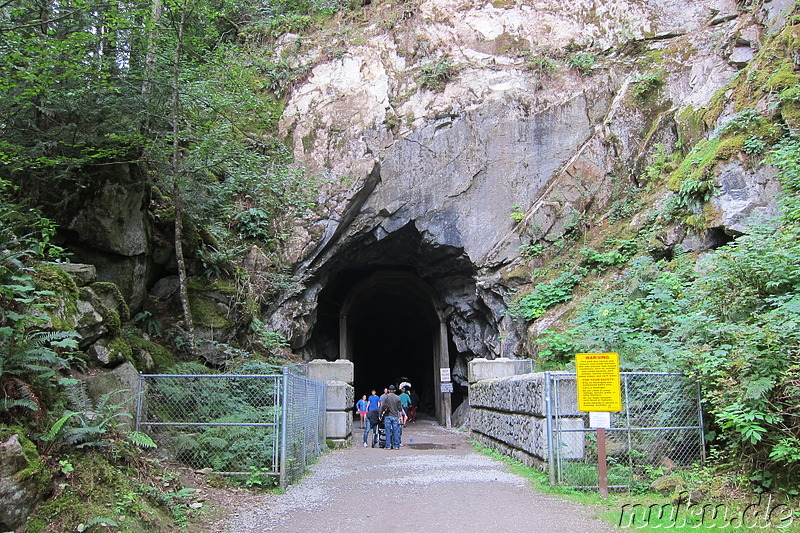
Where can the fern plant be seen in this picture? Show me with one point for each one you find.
(90, 425)
(28, 358)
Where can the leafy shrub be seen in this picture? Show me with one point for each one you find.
(731, 322)
(622, 252)
(538, 64)
(648, 83)
(545, 296)
(741, 122)
(754, 145)
(786, 156)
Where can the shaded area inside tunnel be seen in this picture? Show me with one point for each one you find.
(381, 306)
(392, 340)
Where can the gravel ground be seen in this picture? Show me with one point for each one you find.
(435, 482)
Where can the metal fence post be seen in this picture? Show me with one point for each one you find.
(139, 394)
(701, 423)
(548, 389)
(627, 402)
(284, 422)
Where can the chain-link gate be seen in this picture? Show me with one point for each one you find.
(660, 428)
(236, 424)
(303, 430)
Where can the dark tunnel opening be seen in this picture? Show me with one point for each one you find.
(392, 341)
(385, 304)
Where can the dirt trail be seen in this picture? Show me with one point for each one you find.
(435, 483)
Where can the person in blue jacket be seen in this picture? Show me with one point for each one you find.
(362, 408)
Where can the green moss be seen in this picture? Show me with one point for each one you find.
(35, 471)
(695, 165)
(161, 357)
(58, 294)
(110, 316)
(790, 106)
(729, 147)
(699, 164)
(783, 77)
(118, 345)
(519, 273)
(217, 285)
(790, 112)
(206, 312)
(772, 69)
(691, 126)
(97, 489)
(713, 111)
(109, 292)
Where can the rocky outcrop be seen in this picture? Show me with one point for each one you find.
(24, 481)
(110, 229)
(744, 196)
(501, 137)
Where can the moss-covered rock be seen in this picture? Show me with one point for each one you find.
(208, 312)
(97, 490)
(110, 352)
(111, 296)
(24, 478)
(59, 295)
(146, 354)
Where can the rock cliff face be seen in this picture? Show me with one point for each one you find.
(427, 180)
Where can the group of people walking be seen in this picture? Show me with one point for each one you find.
(390, 409)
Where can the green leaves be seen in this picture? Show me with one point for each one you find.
(751, 425)
(545, 296)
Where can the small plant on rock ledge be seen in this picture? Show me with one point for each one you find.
(516, 214)
(437, 73)
(583, 62)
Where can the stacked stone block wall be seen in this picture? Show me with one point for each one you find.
(508, 414)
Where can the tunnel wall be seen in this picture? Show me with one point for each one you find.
(508, 414)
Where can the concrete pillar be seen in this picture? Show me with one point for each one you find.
(338, 412)
(481, 368)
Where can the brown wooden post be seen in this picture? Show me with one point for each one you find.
(602, 469)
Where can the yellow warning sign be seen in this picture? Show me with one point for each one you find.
(598, 382)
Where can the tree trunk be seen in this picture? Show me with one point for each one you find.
(151, 35)
(176, 190)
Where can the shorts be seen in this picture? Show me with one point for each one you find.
(362, 413)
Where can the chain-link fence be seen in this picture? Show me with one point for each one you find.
(236, 424)
(659, 429)
(304, 429)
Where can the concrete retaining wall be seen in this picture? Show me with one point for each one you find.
(340, 398)
(508, 413)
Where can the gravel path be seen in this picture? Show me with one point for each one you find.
(435, 482)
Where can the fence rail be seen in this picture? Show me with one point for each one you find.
(236, 424)
(660, 427)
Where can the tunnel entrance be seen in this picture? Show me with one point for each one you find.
(392, 335)
(401, 307)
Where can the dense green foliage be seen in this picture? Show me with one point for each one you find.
(730, 319)
(181, 90)
(183, 97)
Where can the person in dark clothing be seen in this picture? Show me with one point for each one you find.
(373, 419)
(392, 408)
